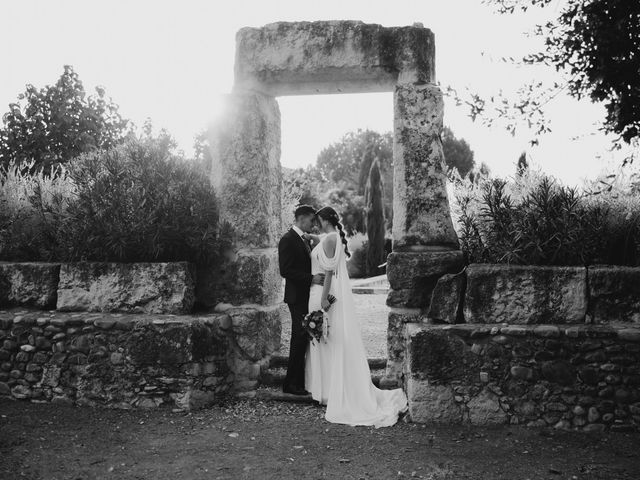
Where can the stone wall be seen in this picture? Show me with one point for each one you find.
(126, 361)
(525, 294)
(584, 377)
(99, 286)
(557, 346)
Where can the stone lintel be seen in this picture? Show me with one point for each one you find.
(325, 57)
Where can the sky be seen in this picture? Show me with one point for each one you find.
(172, 61)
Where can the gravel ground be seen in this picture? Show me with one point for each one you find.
(249, 439)
(372, 313)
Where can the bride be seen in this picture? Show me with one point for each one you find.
(337, 372)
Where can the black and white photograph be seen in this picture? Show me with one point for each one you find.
(351, 240)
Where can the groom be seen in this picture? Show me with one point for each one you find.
(295, 266)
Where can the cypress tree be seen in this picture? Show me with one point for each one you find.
(375, 219)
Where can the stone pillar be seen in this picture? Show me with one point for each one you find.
(421, 214)
(246, 173)
(425, 244)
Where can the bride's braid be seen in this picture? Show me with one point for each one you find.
(344, 239)
(330, 215)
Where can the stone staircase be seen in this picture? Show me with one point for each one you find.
(270, 387)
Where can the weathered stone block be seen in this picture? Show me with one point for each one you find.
(247, 277)
(525, 294)
(447, 299)
(414, 275)
(432, 403)
(485, 409)
(436, 355)
(332, 57)
(256, 332)
(246, 172)
(421, 214)
(122, 287)
(397, 320)
(614, 294)
(29, 284)
(173, 344)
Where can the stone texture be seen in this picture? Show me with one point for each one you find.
(614, 294)
(256, 331)
(29, 284)
(447, 299)
(484, 409)
(397, 320)
(525, 294)
(182, 359)
(296, 58)
(439, 356)
(246, 277)
(432, 403)
(246, 172)
(421, 214)
(414, 275)
(121, 287)
(587, 379)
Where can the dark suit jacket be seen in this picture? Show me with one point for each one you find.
(295, 267)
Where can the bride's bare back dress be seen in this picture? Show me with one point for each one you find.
(337, 372)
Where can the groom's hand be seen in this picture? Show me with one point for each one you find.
(318, 279)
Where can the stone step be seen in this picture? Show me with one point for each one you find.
(275, 376)
(370, 290)
(278, 361)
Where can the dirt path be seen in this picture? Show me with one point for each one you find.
(255, 440)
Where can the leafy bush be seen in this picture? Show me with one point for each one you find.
(534, 220)
(133, 203)
(30, 209)
(138, 202)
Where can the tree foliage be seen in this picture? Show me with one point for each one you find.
(56, 123)
(343, 170)
(595, 45)
(457, 152)
(349, 160)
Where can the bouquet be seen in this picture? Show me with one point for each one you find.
(314, 322)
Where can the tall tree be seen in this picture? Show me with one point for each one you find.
(345, 165)
(56, 123)
(374, 192)
(457, 152)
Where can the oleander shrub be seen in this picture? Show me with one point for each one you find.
(139, 202)
(136, 202)
(534, 220)
(31, 206)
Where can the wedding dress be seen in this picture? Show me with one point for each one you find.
(336, 371)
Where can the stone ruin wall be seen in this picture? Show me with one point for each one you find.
(488, 345)
(309, 58)
(538, 346)
(124, 335)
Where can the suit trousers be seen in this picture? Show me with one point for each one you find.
(297, 347)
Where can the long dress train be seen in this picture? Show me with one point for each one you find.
(337, 372)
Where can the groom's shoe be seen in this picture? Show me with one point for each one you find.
(294, 390)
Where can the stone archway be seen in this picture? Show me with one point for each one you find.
(311, 58)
